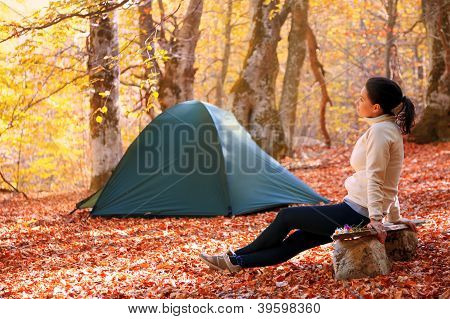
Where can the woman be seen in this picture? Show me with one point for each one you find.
(377, 159)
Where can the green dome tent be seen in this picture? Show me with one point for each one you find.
(195, 159)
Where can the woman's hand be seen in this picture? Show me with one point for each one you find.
(407, 222)
(379, 227)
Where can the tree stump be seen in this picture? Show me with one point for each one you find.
(359, 258)
(359, 254)
(401, 245)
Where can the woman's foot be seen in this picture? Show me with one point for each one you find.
(220, 262)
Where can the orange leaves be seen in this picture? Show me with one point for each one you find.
(140, 266)
(45, 254)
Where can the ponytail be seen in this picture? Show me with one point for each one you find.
(405, 118)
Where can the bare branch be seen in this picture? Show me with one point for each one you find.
(11, 185)
(31, 104)
(130, 84)
(376, 15)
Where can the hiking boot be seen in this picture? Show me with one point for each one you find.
(220, 262)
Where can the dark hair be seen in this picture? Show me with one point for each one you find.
(389, 95)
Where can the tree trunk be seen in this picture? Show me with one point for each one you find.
(147, 32)
(394, 66)
(434, 124)
(319, 74)
(360, 258)
(176, 83)
(391, 10)
(253, 93)
(419, 71)
(226, 55)
(103, 68)
(295, 59)
(401, 245)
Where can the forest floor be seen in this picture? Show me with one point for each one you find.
(44, 253)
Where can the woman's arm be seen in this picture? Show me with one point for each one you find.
(394, 216)
(377, 157)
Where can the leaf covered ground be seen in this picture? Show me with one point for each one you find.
(46, 254)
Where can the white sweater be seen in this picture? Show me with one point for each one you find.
(377, 159)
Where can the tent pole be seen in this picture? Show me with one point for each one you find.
(72, 211)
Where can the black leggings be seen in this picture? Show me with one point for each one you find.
(315, 226)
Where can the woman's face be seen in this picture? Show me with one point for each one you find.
(364, 106)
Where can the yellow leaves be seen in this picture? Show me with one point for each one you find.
(104, 94)
(149, 64)
(99, 117)
(151, 82)
(103, 109)
(44, 167)
(112, 58)
(103, 263)
(166, 58)
(3, 124)
(133, 115)
(155, 94)
(161, 54)
(149, 106)
(26, 222)
(273, 12)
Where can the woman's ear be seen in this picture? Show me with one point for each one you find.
(376, 108)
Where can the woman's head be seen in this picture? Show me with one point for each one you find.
(381, 95)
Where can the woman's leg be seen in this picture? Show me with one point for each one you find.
(317, 224)
(271, 236)
(293, 245)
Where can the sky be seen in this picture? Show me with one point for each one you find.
(16, 9)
